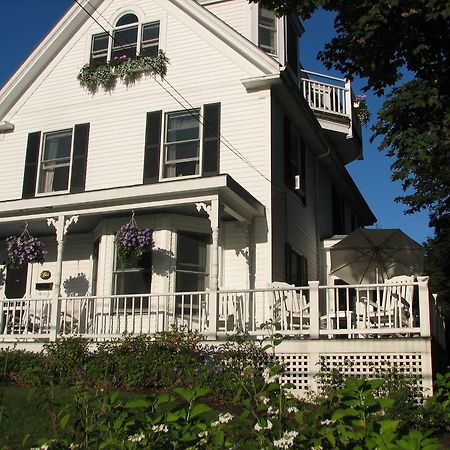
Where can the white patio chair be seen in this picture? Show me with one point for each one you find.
(393, 309)
(290, 308)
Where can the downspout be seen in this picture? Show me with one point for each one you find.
(318, 246)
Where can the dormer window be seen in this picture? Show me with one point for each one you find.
(128, 38)
(267, 31)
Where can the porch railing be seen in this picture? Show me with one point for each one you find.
(309, 312)
(326, 93)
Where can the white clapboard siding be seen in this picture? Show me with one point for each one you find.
(231, 12)
(204, 73)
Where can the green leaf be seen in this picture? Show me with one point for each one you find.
(199, 409)
(64, 421)
(341, 413)
(185, 394)
(137, 403)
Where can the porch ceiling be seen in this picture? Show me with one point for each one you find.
(173, 197)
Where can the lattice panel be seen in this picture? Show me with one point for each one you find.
(366, 364)
(296, 370)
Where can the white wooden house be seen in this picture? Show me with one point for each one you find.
(236, 161)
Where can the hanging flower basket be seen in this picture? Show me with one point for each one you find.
(132, 241)
(24, 249)
(362, 110)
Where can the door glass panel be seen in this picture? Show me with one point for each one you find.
(16, 282)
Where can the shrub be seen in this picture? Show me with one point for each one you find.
(66, 359)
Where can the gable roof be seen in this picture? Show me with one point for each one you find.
(76, 17)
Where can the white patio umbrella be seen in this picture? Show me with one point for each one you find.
(370, 256)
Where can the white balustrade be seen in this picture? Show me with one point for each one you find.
(331, 96)
(309, 312)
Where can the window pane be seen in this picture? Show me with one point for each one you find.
(57, 145)
(55, 162)
(137, 282)
(150, 39)
(182, 144)
(186, 150)
(99, 50)
(182, 169)
(125, 43)
(127, 19)
(191, 252)
(267, 31)
(183, 126)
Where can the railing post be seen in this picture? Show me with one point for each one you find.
(424, 307)
(349, 106)
(314, 309)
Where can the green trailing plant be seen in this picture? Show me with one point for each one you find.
(362, 110)
(128, 70)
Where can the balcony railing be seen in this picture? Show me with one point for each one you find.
(310, 312)
(327, 94)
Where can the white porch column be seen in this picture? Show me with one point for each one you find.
(61, 225)
(424, 307)
(213, 211)
(314, 317)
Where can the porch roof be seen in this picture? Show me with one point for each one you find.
(178, 196)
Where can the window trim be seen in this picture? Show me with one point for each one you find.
(163, 143)
(280, 31)
(110, 34)
(41, 153)
(207, 273)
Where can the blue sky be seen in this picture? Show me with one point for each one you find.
(25, 22)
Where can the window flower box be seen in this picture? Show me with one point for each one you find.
(128, 70)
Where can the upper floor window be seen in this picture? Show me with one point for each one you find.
(54, 165)
(267, 31)
(182, 143)
(181, 150)
(127, 39)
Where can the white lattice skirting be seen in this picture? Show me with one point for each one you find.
(303, 359)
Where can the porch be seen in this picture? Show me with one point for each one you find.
(356, 326)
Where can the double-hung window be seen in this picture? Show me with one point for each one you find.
(267, 31)
(128, 39)
(181, 149)
(54, 165)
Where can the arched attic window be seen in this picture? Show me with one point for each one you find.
(125, 37)
(128, 38)
(127, 19)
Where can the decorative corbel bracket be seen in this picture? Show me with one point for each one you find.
(61, 225)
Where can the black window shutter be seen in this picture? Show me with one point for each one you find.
(211, 139)
(288, 175)
(31, 165)
(152, 147)
(292, 47)
(288, 251)
(79, 162)
(303, 170)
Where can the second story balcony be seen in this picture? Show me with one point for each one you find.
(332, 101)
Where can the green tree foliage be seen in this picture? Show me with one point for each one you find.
(401, 48)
